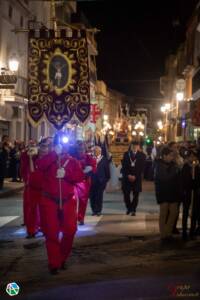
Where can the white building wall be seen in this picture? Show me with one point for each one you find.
(17, 43)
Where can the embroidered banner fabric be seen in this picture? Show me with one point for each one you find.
(58, 77)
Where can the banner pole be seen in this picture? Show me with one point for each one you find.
(53, 16)
(59, 179)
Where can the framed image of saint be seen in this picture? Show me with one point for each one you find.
(58, 72)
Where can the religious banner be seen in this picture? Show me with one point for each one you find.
(195, 113)
(58, 86)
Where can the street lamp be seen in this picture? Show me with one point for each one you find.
(160, 125)
(13, 63)
(134, 133)
(180, 96)
(165, 109)
(105, 117)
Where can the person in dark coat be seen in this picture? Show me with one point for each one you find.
(4, 156)
(190, 176)
(132, 168)
(14, 162)
(148, 169)
(167, 189)
(99, 181)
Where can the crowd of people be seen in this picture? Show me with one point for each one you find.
(10, 154)
(177, 184)
(175, 170)
(59, 179)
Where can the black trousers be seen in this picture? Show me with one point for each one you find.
(195, 219)
(1, 182)
(131, 205)
(96, 198)
(186, 207)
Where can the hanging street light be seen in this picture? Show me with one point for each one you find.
(13, 63)
(180, 96)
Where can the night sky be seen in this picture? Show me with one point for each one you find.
(135, 38)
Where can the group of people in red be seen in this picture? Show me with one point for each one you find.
(55, 184)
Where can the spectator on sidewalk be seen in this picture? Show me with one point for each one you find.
(167, 188)
(190, 176)
(14, 162)
(4, 156)
(148, 169)
(178, 160)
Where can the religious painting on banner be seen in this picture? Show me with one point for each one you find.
(195, 112)
(58, 85)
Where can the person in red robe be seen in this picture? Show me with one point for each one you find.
(35, 178)
(58, 205)
(33, 188)
(88, 165)
(30, 195)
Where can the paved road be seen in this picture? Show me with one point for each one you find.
(114, 257)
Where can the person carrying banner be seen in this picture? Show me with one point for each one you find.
(58, 205)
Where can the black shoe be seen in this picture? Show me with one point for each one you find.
(98, 214)
(63, 266)
(133, 214)
(32, 245)
(81, 223)
(185, 237)
(176, 231)
(168, 239)
(192, 236)
(128, 212)
(30, 236)
(53, 271)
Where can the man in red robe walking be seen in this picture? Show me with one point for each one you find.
(30, 195)
(58, 206)
(83, 188)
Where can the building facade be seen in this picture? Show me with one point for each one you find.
(185, 66)
(16, 18)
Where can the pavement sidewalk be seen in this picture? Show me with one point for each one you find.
(10, 188)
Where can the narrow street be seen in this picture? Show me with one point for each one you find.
(115, 256)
